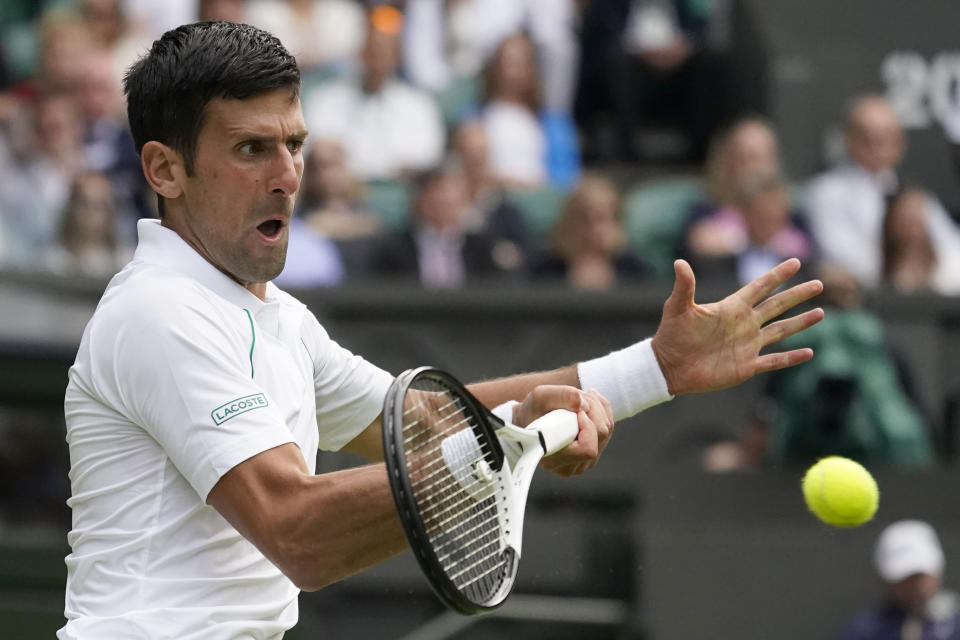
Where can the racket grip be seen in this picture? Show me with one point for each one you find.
(557, 429)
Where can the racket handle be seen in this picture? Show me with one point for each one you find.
(557, 429)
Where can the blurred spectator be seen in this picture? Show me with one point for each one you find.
(488, 210)
(589, 246)
(88, 243)
(108, 146)
(47, 153)
(852, 398)
(524, 152)
(772, 234)
(650, 59)
(715, 227)
(64, 43)
(846, 205)
(760, 231)
(113, 33)
(319, 33)
(447, 39)
(329, 200)
(313, 260)
(387, 127)
(910, 562)
(436, 249)
(910, 261)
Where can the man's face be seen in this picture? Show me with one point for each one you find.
(875, 138)
(236, 207)
(914, 592)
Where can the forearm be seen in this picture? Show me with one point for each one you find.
(331, 537)
(317, 529)
(495, 392)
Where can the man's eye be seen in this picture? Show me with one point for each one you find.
(295, 145)
(250, 148)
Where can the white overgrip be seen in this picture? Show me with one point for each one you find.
(557, 429)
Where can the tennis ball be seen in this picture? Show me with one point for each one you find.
(840, 492)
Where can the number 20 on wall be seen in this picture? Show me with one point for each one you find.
(923, 93)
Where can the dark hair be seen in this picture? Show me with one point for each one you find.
(168, 88)
(893, 253)
(493, 70)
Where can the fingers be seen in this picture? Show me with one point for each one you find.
(546, 398)
(595, 424)
(775, 361)
(785, 328)
(763, 286)
(601, 415)
(785, 300)
(684, 287)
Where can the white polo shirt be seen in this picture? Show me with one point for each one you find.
(181, 375)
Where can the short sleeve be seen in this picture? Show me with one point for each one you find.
(182, 372)
(350, 390)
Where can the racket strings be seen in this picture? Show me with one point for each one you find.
(459, 517)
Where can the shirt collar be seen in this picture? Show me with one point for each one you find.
(164, 247)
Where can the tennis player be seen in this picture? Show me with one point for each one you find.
(201, 392)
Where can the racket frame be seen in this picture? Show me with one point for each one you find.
(513, 453)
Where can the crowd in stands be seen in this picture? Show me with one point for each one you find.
(468, 137)
(461, 142)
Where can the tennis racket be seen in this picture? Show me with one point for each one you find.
(460, 478)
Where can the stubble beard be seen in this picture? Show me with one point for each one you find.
(247, 269)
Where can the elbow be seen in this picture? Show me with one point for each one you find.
(308, 575)
(303, 566)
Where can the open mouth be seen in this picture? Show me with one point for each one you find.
(270, 228)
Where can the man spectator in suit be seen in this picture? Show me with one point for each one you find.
(437, 249)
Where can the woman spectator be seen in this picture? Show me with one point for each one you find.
(589, 245)
(911, 262)
(526, 151)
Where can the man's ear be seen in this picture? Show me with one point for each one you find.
(163, 169)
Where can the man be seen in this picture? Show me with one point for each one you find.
(201, 392)
(388, 128)
(436, 248)
(847, 204)
(909, 560)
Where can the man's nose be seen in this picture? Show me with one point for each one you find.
(286, 179)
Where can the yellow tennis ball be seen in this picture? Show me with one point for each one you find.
(840, 492)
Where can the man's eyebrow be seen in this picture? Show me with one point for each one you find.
(299, 135)
(248, 135)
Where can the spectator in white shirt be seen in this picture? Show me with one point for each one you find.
(388, 128)
(527, 148)
(846, 205)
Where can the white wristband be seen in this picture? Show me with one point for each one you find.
(630, 379)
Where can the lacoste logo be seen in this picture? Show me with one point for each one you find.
(235, 407)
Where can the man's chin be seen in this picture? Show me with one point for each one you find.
(267, 268)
